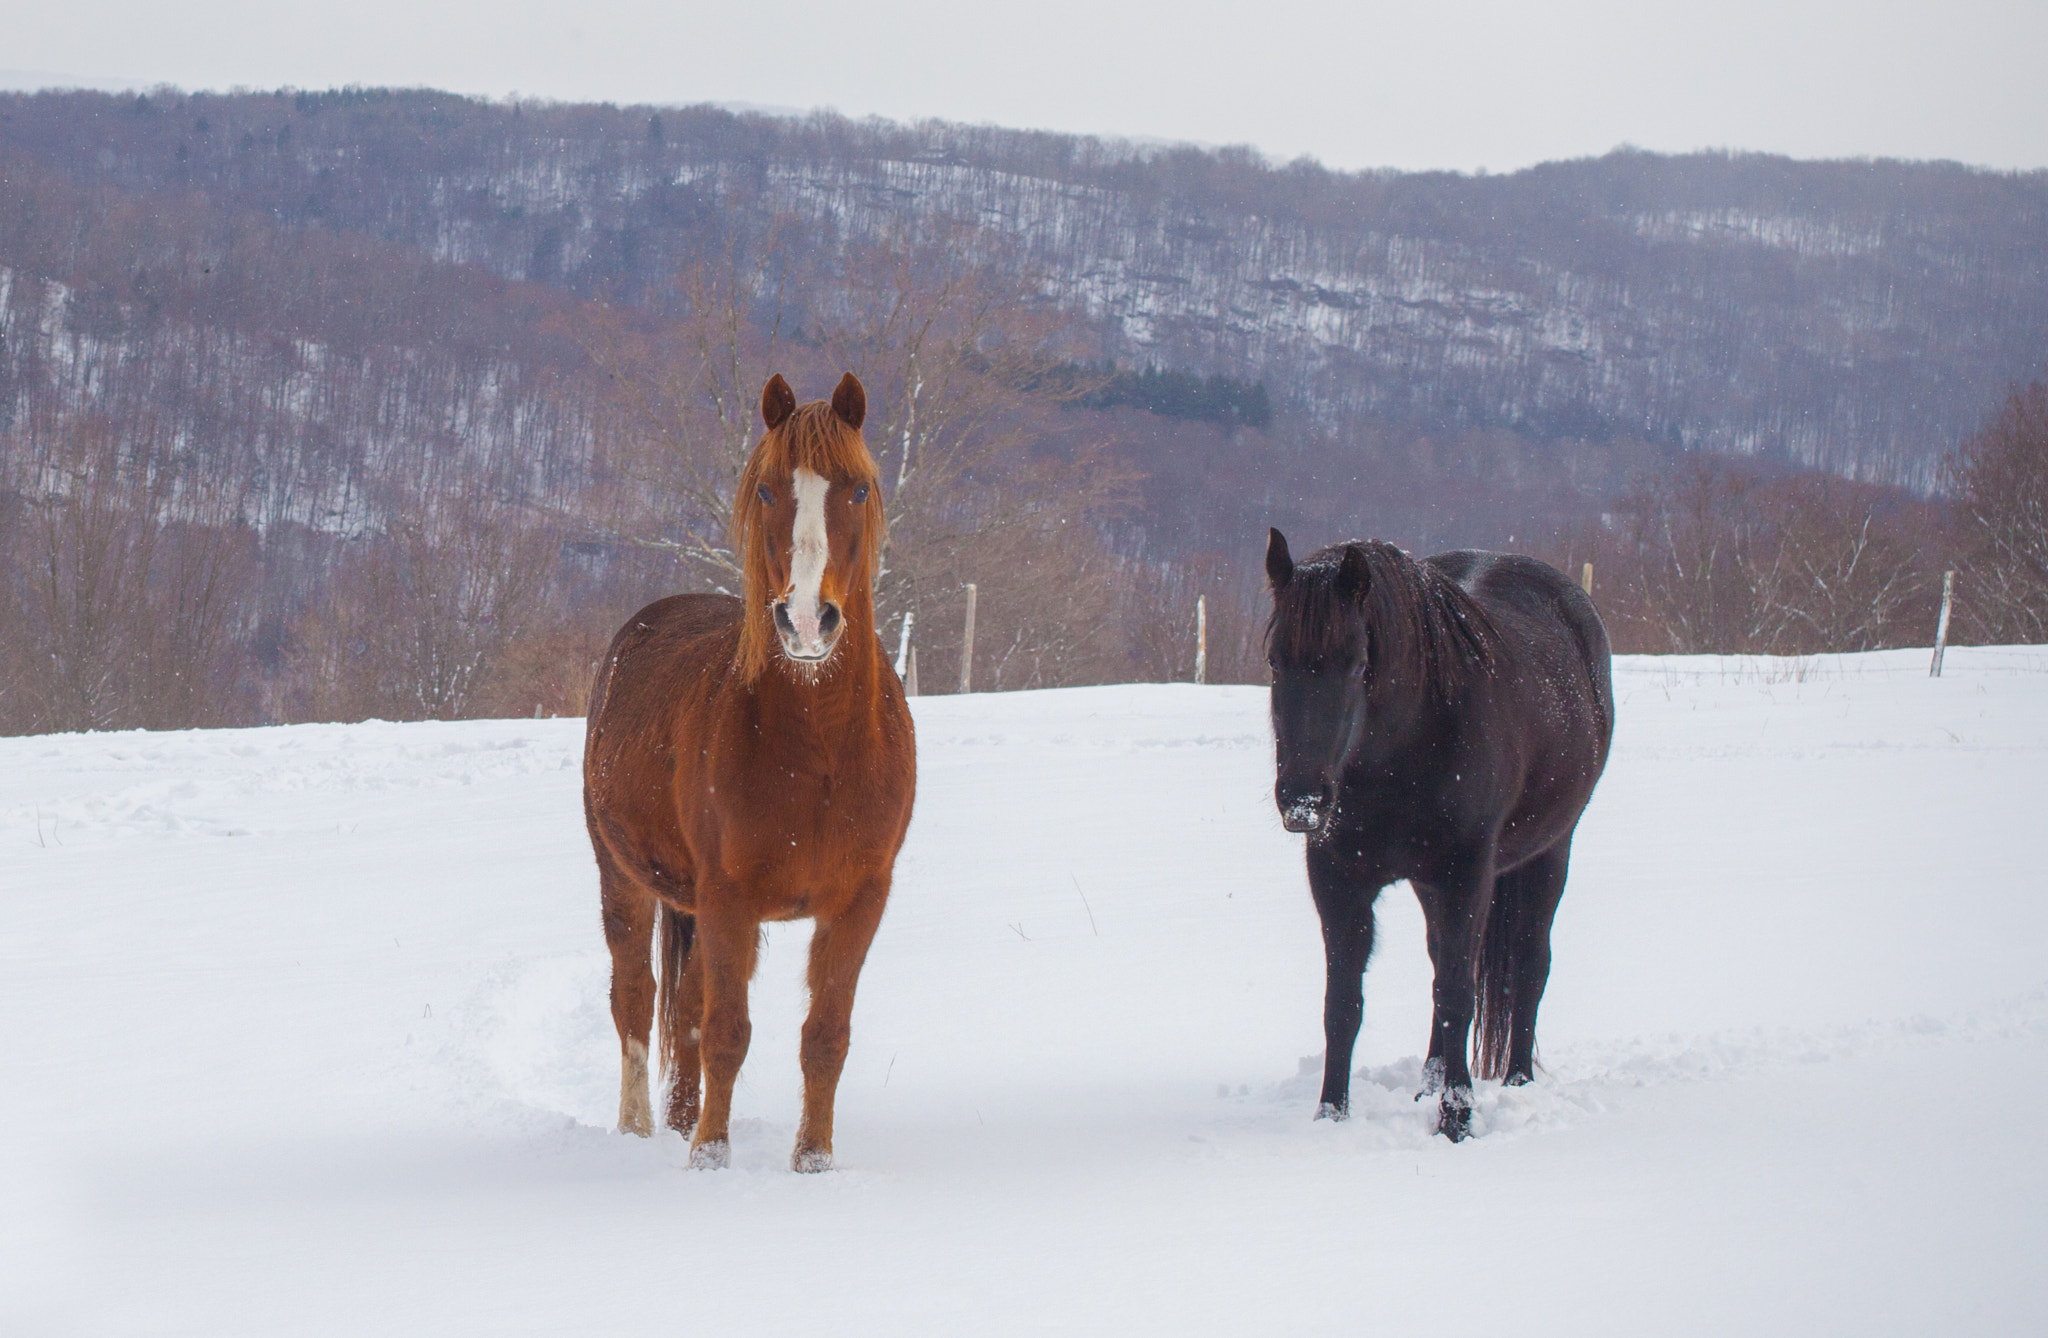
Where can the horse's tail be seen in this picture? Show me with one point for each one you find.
(1519, 897)
(673, 932)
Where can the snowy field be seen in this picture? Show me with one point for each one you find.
(305, 1031)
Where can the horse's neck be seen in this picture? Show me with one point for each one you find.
(841, 688)
(1407, 708)
(1396, 716)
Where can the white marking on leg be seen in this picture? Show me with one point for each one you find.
(635, 1116)
(809, 552)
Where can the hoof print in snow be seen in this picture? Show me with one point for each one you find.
(808, 1161)
(713, 1156)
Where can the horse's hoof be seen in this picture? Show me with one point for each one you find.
(1432, 1078)
(808, 1161)
(1333, 1110)
(1517, 1080)
(1454, 1116)
(714, 1155)
(639, 1129)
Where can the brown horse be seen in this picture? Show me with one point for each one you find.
(748, 760)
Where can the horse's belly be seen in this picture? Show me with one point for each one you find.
(799, 888)
(1544, 816)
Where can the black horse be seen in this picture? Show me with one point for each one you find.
(1442, 721)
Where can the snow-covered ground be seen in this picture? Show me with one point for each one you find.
(304, 1031)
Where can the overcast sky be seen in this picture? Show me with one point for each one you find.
(1497, 84)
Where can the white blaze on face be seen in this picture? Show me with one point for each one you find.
(809, 552)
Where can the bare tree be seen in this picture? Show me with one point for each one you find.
(953, 356)
(1686, 546)
(428, 613)
(684, 414)
(2000, 481)
(90, 541)
(1715, 557)
(131, 575)
(1834, 575)
(1157, 612)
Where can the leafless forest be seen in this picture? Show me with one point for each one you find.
(394, 405)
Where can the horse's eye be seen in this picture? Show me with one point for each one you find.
(767, 498)
(860, 494)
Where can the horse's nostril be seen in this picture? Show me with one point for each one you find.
(828, 621)
(782, 621)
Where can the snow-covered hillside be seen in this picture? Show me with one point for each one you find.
(1861, 317)
(305, 1032)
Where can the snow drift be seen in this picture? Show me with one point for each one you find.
(305, 1031)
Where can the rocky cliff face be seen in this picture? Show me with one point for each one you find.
(1859, 317)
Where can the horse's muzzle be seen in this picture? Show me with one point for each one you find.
(809, 640)
(1309, 813)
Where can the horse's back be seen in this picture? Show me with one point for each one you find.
(1543, 614)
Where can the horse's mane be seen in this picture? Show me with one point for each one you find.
(817, 439)
(1424, 628)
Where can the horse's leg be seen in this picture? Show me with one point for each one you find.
(1454, 909)
(682, 1019)
(727, 941)
(1433, 1060)
(838, 949)
(1538, 887)
(1344, 904)
(629, 932)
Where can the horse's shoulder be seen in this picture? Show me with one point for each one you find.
(685, 615)
(678, 625)
(668, 637)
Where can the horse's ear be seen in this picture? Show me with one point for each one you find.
(778, 402)
(850, 401)
(1279, 562)
(1354, 577)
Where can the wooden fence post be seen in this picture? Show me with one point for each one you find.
(1948, 586)
(967, 645)
(910, 683)
(903, 645)
(1586, 580)
(1201, 638)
